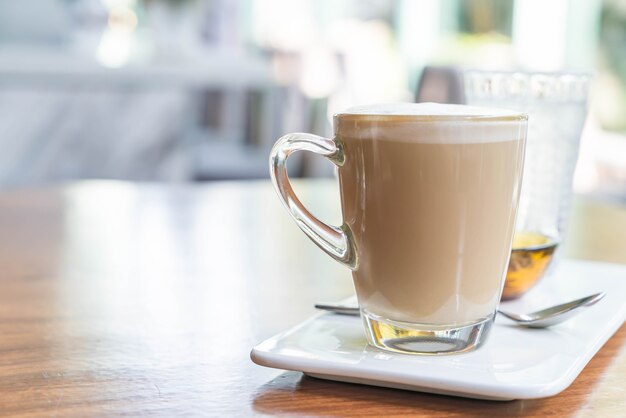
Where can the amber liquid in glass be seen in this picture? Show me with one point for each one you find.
(531, 255)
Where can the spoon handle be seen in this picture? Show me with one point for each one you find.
(338, 309)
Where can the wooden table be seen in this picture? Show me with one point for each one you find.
(118, 298)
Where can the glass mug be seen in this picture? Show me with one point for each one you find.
(429, 195)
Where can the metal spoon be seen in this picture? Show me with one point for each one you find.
(540, 319)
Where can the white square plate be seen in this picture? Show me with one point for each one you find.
(515, 363)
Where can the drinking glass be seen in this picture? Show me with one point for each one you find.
(556, 104)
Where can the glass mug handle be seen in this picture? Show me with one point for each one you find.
(335, 241)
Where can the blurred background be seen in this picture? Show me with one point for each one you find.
(198, 90)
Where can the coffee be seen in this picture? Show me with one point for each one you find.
(429, 193)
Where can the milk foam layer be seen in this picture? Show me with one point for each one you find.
(429, 109)
(430, 123)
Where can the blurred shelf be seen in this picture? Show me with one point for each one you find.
(207, 68)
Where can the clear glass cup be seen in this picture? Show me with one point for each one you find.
(557, 105)
(428, 196)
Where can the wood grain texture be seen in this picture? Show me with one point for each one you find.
(140, 300)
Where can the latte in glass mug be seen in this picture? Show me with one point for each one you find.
(429, 196)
